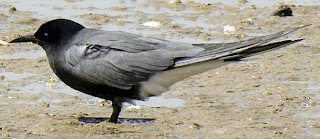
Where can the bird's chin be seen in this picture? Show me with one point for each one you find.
(27, 38)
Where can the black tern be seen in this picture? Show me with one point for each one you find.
(122, 67)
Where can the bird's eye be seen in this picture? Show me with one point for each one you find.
(46, 34)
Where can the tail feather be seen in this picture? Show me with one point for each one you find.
(221, 50)
(259, 49)
(214, 56)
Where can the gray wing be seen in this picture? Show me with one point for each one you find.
(122, 60)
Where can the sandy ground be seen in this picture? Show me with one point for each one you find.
(272, 95)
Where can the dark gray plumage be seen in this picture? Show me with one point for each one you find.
(120, 66)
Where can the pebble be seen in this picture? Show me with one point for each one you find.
(45, 104)
(283, 10)
(102, 102)
(174, 1)
(50, 85)
(3, 42)
(12, 9)
(242, 1)
(134, 107)
(2, 77)
(229, 30)
(53, 80)
(152, 24)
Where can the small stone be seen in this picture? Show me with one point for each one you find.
(12, 9)
(283, 10)
(267, 93)
(278, 132)
(102, 102)
(152, 24)
(133, 107)
(242, 1)
(3, 42)
(53, 80)
(174, 1)
(247, 21)
(50, 85)
(178, 124)
(197, 126)
(2, 77)
(256, 85)
(229, 30)
(120, 23)
(230, 91)
(45, 104)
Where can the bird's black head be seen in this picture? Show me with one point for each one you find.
(53, 32)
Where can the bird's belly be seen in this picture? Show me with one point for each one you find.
(97, 90)
(67, 74)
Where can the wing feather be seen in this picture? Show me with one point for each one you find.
(123, 60)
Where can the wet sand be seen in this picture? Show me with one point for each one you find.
(272, 95)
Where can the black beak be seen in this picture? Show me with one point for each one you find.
(27, 38)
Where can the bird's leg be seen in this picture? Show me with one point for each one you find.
(116, 105)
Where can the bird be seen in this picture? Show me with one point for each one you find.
(122, 67)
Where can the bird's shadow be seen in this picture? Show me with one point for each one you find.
(96, 120)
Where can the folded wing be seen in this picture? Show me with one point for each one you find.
(123, 60)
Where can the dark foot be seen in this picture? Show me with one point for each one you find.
(116, 105)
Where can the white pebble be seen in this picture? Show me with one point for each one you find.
(3, 42)
(101, 101)
(50, 85)
(229, 30)
(134, 107)
(174, 1)
(152, 24)
(53, 80)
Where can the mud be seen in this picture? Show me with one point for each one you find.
(272, 95)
